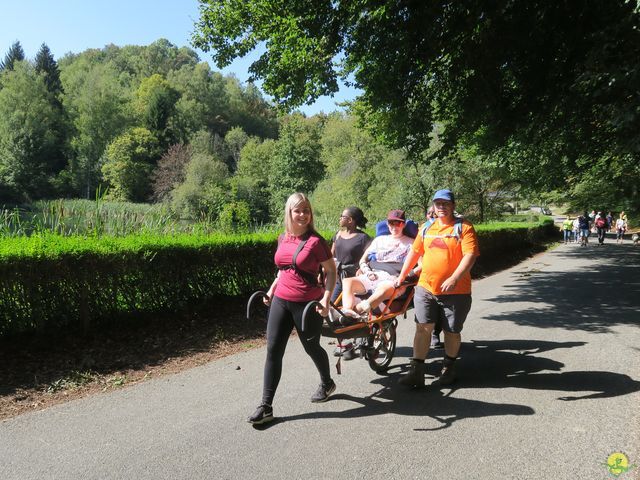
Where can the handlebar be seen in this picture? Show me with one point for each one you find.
(305, 313)
(251, 300)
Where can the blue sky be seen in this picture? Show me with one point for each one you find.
(75, 25)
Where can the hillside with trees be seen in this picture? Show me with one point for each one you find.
(541, 94)
(497, 102)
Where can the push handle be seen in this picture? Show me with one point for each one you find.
(257, 294)
(311, 306)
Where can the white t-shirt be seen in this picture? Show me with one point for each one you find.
(390, 249)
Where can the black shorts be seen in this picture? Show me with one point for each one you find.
(450, 310)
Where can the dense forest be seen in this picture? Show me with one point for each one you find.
(542, 94)
(156, 124)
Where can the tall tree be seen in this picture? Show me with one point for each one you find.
(203, 101)
(130, 159)
(250, 183)
(156, 101)
(96, 103)
(559, 77)
(47, 66)
(27, 132)
(296, 166)
(15, 54)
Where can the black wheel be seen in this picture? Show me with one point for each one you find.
(382, 346)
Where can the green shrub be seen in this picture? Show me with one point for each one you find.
(52, 283)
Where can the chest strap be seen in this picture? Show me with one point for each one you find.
(308, 277)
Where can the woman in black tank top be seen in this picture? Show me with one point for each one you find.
(349, 244)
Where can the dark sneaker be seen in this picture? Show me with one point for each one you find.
(447, 375)
(350, 353)
(263, 414)
(323, 392)
(351, 318)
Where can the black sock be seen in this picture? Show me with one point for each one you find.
(417, 360)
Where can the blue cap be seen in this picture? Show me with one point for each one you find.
(444, 194)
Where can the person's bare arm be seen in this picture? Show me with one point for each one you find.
(272, 288)
(409, 263)
(329, 267)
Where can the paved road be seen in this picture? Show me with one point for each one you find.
(551, 388)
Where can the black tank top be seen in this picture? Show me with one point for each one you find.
(350, 250)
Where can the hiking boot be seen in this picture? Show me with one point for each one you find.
(263, 414)
(323, 392)
(415, 377)
(447, 375)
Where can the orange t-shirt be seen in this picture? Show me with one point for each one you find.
(442, 253)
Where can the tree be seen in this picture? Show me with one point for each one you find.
(170, 171)
(250, 184)
(203, 102)
(130, 159)
(96, 103)
(46, 65)
(235, 140)
(28, 123)
(203, 194)
(156, 101)
(352, 159)
(15, 54)
(553, 77)
(296, 166)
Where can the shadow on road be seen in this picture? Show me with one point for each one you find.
(593, 297)
(515, 364)
(484, 364)
(427, 403)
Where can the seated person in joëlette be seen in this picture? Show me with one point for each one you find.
(378, 276)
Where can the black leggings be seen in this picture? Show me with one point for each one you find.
(283, 317)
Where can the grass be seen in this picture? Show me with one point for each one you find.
(101, 218)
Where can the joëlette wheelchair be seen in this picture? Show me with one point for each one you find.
(375, 337)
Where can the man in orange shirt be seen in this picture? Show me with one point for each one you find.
(448, 248)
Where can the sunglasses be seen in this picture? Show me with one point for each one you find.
(394, 223)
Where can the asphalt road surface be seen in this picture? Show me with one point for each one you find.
(549, 389)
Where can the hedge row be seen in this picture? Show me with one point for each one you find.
(50, 283)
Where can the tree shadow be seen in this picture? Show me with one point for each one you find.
(592, 298)
(484, 364)
(514, 364)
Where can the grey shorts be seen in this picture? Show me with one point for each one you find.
(449, 310)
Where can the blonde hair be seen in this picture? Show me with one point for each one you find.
(294, 201)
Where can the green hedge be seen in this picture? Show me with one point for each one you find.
(51, 283)
(48, 283)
